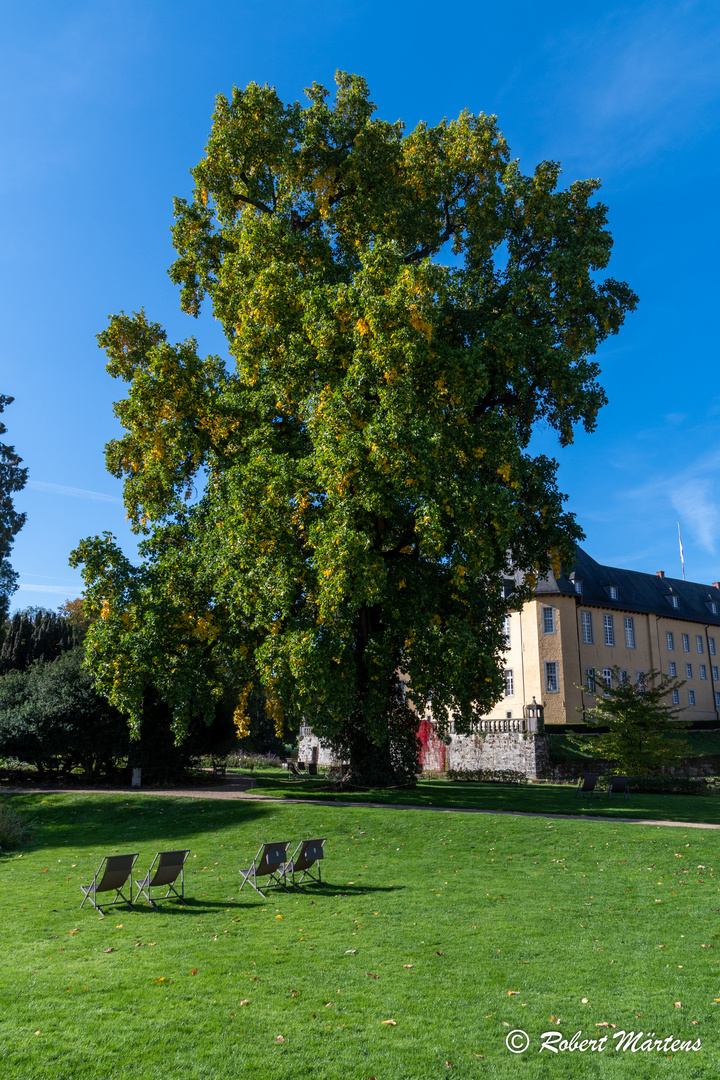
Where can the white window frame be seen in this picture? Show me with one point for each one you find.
(586, 626)
(711, 646)
(676, 697)
(612, 592)
(609, 630)
(552, 675)
(623, 677)
(506, 630)
(703, 671)
(699, 644)
(715, 673)
(548, 619)
(590, 680)
(629, 632)
(607, 676)
(691, 697)
(673, 669)
(670, 640)
(717, 699)
(686, 642)
(688, 671)
(674, 601)
(578, 587)
(509, 683)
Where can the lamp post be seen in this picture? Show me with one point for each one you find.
(534, 715)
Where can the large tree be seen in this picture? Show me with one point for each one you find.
(12, 479)
(339, 502)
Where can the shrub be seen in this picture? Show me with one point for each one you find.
(13, 830)
(488, 776)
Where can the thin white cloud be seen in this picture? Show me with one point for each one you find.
(72, 492)
(59, 590)
(694, 494)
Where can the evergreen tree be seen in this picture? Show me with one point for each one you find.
(12, 479)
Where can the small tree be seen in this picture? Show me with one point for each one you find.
(642, 726)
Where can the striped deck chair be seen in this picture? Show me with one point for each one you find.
(619, 785)
(588, 785)
(116, 871)
(269, 862)
(170, 866)
(306, 855)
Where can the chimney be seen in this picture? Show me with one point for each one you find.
(659, 573)
(716, 584)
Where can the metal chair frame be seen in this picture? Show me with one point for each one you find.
(310, 853)
(116, 870)
(270, 861)
(588, 786)
(166, 873)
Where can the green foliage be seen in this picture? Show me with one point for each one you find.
(12, 479)
(364, 452)
(37, 634)
(642, 726)
(488, 776)
(52, 716)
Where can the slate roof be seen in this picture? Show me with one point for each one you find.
(644, 593)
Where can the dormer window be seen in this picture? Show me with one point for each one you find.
(712, 607)
(612, 592)
(578, 587)
(673, 600)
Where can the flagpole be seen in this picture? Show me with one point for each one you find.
(682, 557)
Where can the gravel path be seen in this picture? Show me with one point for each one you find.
(242, 789)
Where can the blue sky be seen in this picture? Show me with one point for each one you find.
(105, 106)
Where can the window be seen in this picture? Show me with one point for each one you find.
(629, 632)
(548, 620)
(623, 677)
(607, 676)
(711, 646)
(670, 638)
(578, 587)
(590, 679)
(640, 679)
(551, 676)
(688, 671)
(612, 592)
(713, 607)
(506, 630)
(715, 674)
(609, 629)
(676, 697)
(509, 683)
(587, 627)
(703, 671)
(673, 669)
(691, 697)
(699, 643)
(717, 698)
(673, 601)
(686, 642)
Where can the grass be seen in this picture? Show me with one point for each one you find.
(553, 910)
(542, 798)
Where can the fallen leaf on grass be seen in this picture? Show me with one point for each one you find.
(407, 965)
(111, 949)
(193, 971)
(245, 1001)
(279, 1038)
(480, 1055)
(351, 952)
(438, 953)
(584, 1001)
(119, 926)
(448, 1065)
(371, 976)
(392, 1022)
(38, 1033)
(678, 1004)
(161, 979)
(511, 992)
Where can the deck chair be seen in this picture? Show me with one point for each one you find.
(170, 866)
(306, 855)
(269, 862)
(588, 785)
(619, 785)
(116, 870)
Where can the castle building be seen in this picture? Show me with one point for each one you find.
(564, 645)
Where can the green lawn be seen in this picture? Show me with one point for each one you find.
(524, 798)
(540, 914)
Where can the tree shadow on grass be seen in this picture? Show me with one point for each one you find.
(129, 821)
